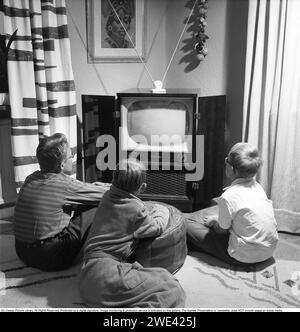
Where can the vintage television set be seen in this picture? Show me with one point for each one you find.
(161, 129)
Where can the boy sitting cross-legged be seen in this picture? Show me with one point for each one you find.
(245, 231)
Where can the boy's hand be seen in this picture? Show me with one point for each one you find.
(210, 221)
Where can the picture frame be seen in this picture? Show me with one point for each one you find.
(107, 40)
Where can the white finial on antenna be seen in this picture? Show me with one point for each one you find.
(158, 87)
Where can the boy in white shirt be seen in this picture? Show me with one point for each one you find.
(245, 232)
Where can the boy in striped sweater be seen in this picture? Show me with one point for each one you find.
(46, 236)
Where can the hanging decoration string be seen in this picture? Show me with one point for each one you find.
(201, 36)
(141, 59)
(201, 50)
(179, 40)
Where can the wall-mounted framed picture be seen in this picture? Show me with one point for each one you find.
(115, 30)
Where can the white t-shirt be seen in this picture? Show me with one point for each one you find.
(247, 213)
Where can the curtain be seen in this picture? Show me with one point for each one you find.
(272, 102)
(41, 83)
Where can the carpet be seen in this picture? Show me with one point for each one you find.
(208, 283)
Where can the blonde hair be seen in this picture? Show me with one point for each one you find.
(129, 175)
(245, 159)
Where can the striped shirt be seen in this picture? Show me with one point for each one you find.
(39, 211)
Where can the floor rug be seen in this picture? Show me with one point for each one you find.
(208, 283)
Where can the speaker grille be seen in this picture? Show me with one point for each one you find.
(165, 183)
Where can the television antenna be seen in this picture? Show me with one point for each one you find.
(158, 84)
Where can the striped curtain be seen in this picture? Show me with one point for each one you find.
(41, 83)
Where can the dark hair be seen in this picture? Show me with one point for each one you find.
(129, 175)
(245, 159)
(51, 152)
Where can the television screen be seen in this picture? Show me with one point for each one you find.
(156, 124)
